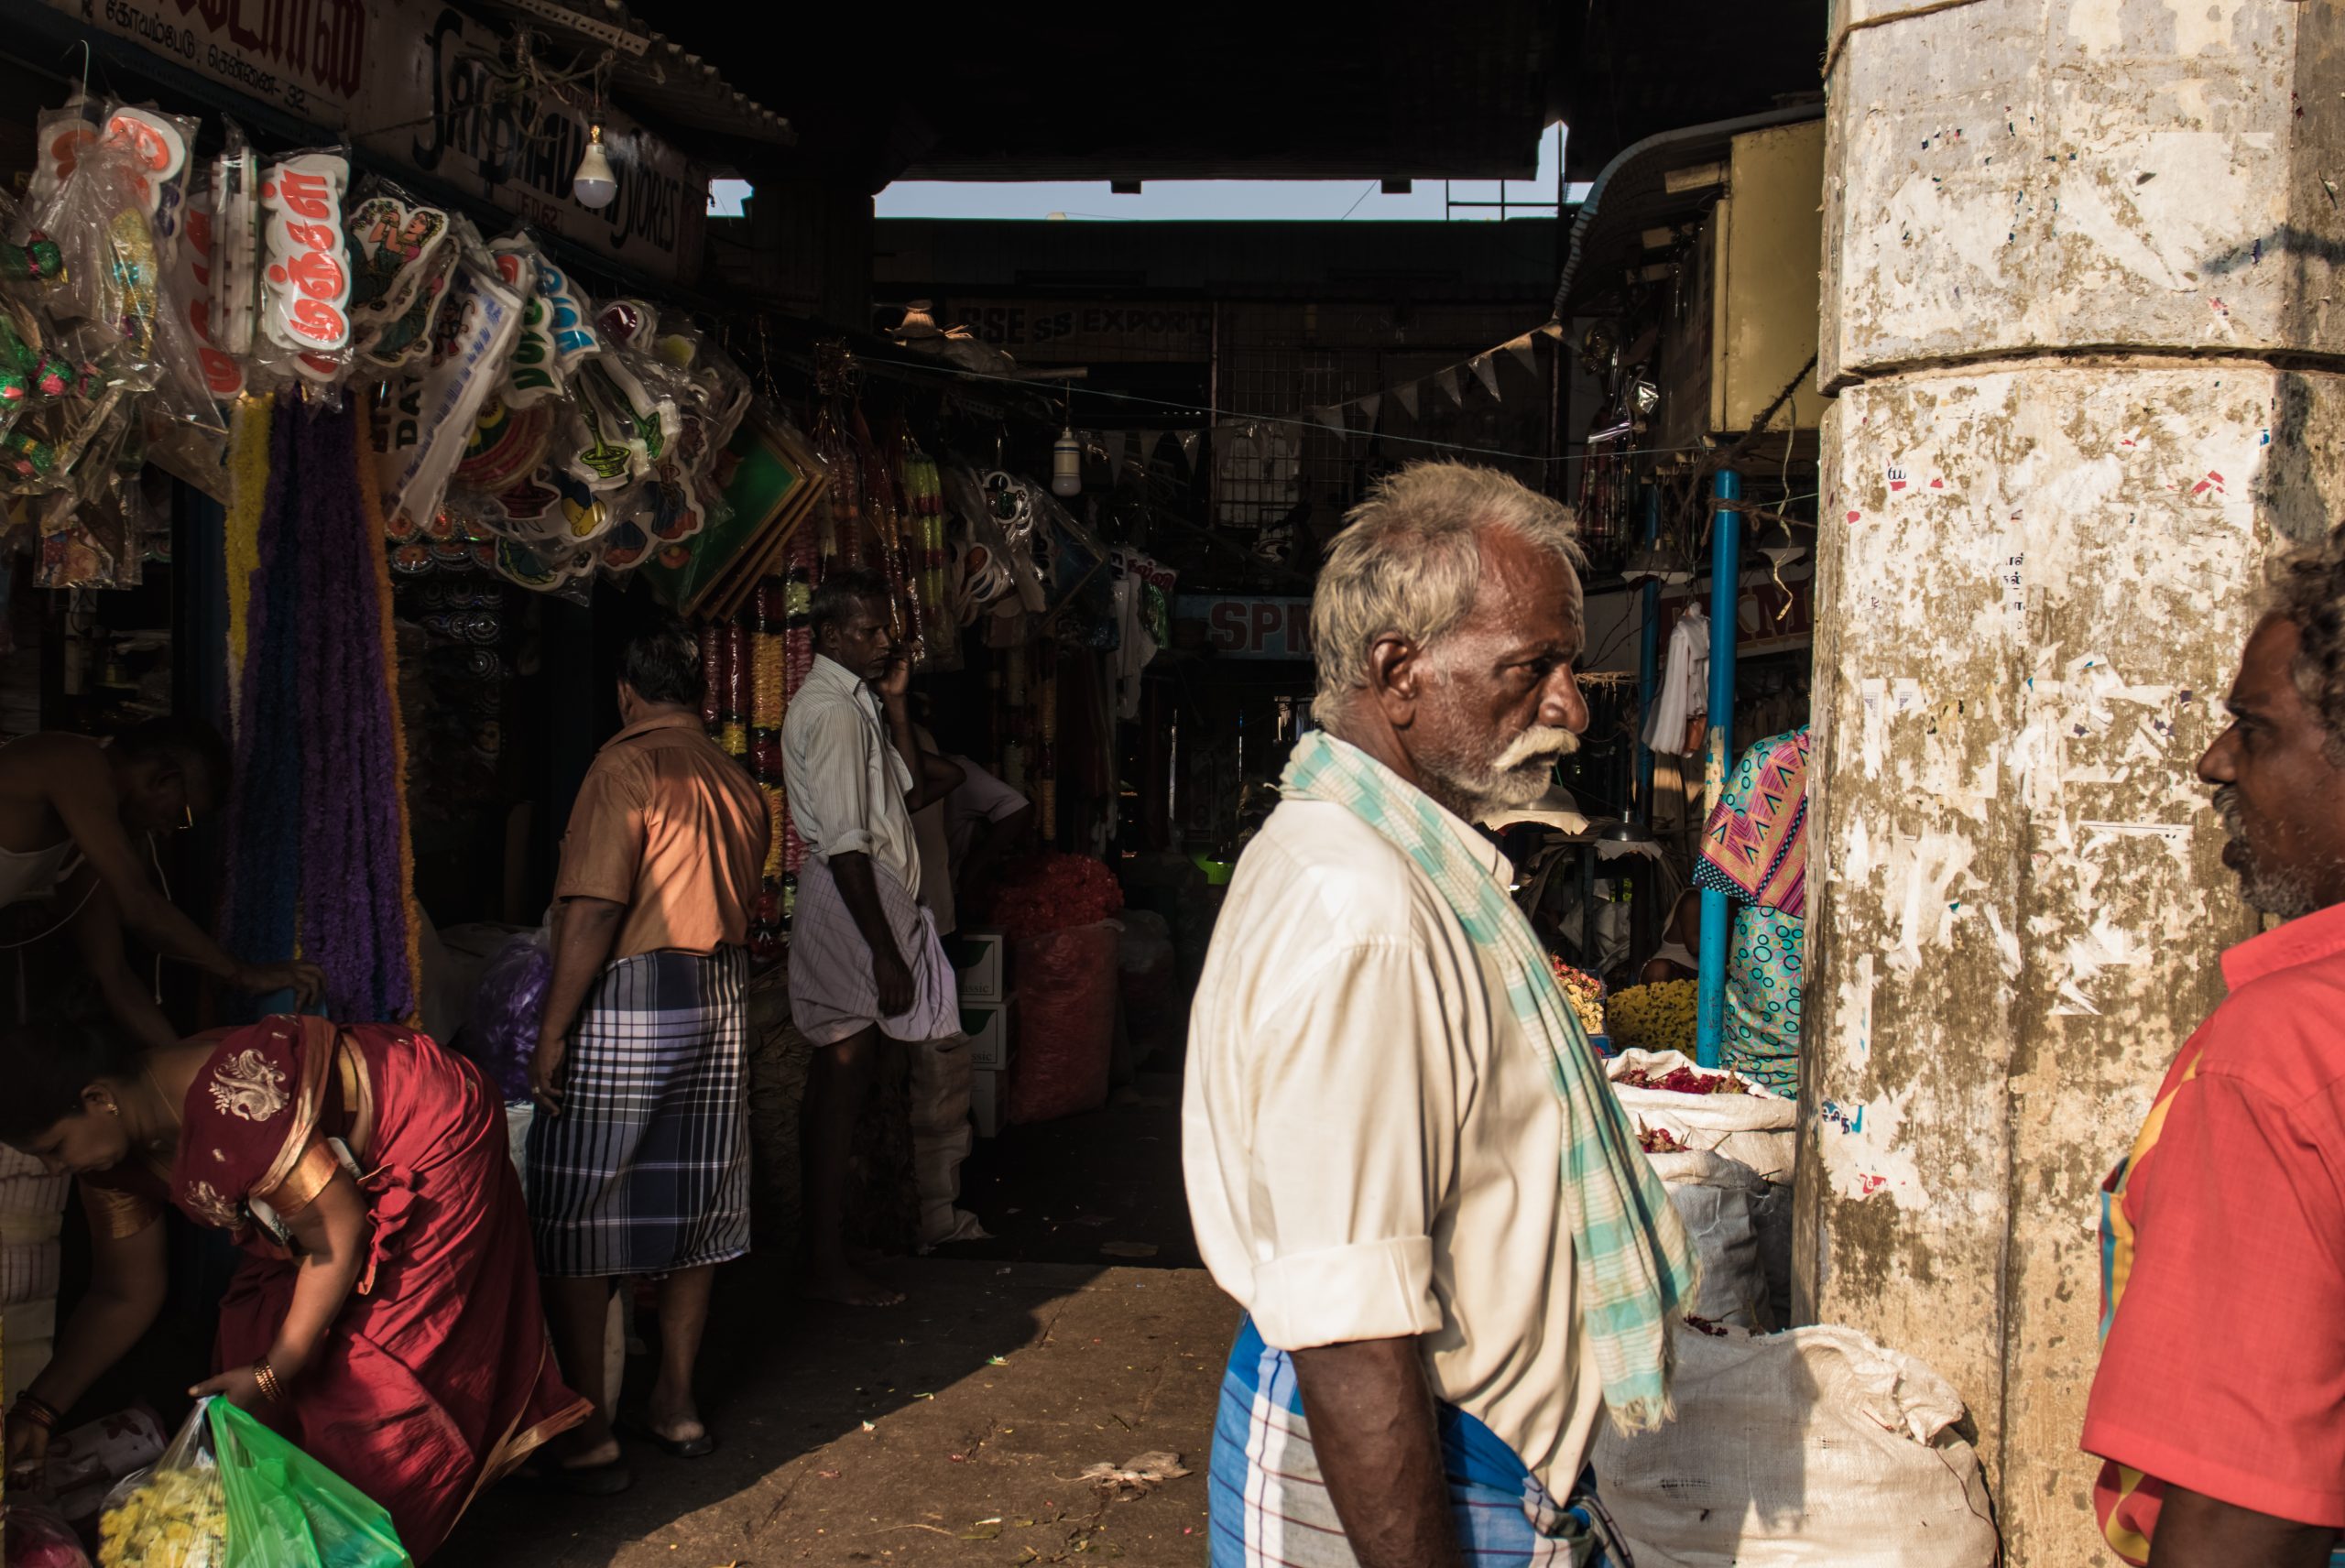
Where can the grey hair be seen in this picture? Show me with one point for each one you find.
(2310, 592)
(1409, 563)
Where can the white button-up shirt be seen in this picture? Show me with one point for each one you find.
(1373, 1147)
(842, 778)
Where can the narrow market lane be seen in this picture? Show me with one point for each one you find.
(1016, 1365)
(954, 1430)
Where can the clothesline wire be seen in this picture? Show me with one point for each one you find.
(1223, 417)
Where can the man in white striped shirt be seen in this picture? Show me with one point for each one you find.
(865, 960)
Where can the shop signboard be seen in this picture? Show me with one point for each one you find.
(1175, 331)
(1236, 628)
(427, 86)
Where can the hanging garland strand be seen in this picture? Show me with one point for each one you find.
(319, 848)
(248, 441)
(264, 845)
(371, 520)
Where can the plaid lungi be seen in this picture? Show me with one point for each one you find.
(646, 1168)
(831, 995)
(1268, 1509)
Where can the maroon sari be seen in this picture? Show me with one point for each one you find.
(437, 1376)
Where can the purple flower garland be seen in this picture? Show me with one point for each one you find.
(318, 748)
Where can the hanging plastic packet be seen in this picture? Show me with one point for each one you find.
(162, 147)
(483, 317)
(118, 277)
(305, 271)
(59, 138)
(533, 374)
(557, 333)
(192, 279)
(81, 544)
(234, 320)
(401, 250)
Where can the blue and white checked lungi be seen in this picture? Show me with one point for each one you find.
(1271, 1509)
(646, 1168)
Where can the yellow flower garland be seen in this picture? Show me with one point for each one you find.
(248, 487)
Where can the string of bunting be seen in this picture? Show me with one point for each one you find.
(1136, 448)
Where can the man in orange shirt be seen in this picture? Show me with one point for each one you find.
(639, 1160)
(2219, 1405)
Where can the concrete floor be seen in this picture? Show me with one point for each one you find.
(953, 1429)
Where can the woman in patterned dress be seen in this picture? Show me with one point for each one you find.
(385, 1313)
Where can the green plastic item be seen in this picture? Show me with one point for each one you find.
(1216, 871)
(287, 1510)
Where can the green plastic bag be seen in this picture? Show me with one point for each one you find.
(287, 1510)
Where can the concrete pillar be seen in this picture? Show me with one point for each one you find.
(2083, 316)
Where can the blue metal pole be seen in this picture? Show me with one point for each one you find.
(1726, 594)
(1648, 663)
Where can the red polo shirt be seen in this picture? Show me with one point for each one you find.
(2222, 1365)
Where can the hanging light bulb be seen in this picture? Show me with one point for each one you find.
(595, 185)
(1066, 465)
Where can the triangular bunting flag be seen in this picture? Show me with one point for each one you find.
(1554, 330)
(1188, 440)
(1369, 406)
(1487, 369)
(1118, 450)
(1407, 392)
(1520, 348)
(1332, 416)
(1446, 379)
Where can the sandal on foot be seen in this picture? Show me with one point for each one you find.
(699, 1447)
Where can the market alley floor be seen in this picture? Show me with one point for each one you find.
(953, 1429)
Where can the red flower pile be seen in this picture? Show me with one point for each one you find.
(1053, 892)
(1682, 1081)
(1658, 1140)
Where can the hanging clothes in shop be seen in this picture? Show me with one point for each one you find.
(1683, 699)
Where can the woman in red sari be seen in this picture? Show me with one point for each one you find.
(386, 1314)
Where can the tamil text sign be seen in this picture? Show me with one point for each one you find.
(427, 86)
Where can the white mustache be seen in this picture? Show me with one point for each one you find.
(1539, 741)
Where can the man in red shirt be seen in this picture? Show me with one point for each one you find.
(2219, 1405)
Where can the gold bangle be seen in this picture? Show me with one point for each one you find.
(266, 1376)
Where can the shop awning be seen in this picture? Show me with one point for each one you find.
(1652, 188)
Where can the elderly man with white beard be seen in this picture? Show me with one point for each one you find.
(1402, 1158)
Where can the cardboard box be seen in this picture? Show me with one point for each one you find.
(988, 1098)
(988, 1024)
(983, 979)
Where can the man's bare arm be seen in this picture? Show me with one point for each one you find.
(97, 931)
(1373, 1427)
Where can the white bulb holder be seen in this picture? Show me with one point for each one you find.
(595, 184)
(1066, 465)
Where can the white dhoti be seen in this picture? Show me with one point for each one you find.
(831, 993)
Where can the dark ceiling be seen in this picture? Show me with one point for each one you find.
(1380, 89)
(1054, 91)
(1636, 67)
